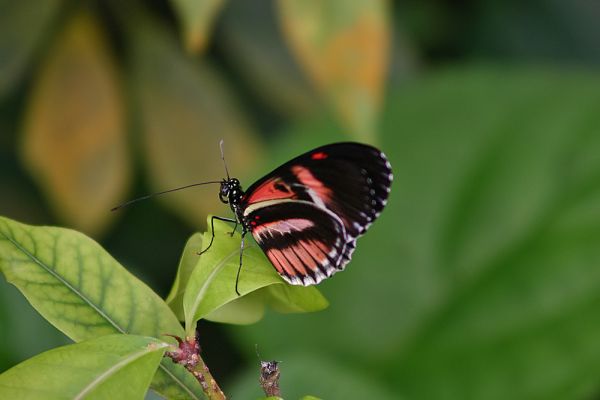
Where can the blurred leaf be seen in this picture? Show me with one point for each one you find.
(74, 143)
(22, 26)
(84, 292)
(212, 283)
(303, 372)
(187, 263)
(343, 46)
(540, 30)
(197, 18)
(255, 48)
(103, 368)
(487, 254)
(185, 109)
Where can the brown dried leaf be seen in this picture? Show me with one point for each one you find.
(197, 19)
(74, 140)
(344, 48)
(186, 108)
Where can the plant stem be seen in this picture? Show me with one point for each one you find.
(208, 383)
(188, 355)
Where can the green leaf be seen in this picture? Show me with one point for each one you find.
(84, 292)
(197, 18)
(114, 366)
(21, 28)
(487, 254)
(212, 283)
(187, 263)
(244, 310)
(294, 299)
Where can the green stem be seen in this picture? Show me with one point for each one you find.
(208, 383)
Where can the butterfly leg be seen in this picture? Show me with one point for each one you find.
(237, 278)
(212, 227)
(234, 228)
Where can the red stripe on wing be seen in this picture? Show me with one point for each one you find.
(305, 177)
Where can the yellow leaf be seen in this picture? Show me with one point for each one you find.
(197, 19)
(74, 135)
(186, 108)
(344, 48)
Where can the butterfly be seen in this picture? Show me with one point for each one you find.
(307, 213)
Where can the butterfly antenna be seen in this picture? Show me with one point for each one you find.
(257, 353)
(223, 158)
(159, 193)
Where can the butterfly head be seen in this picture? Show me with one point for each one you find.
(231, 191)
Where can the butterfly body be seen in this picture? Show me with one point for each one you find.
(307, 214)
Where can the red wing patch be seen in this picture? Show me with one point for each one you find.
(317, 187)
(272, 189)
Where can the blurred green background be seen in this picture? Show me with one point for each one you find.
(481, 280)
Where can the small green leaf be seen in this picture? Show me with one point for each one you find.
(197, 19)
(212, 283)
(84, 292)
(187, 263)
(295, 299)
(109, 367)
(244, 310)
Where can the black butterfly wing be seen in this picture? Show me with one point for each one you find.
(304, 242)
(350, 179)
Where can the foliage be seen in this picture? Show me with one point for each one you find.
(210, 289)
(478, 280)
(85, 293)
(113, 366)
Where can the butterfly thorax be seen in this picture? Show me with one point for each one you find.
(231, 193)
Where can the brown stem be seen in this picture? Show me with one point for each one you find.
(188, 355)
